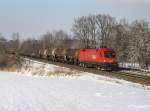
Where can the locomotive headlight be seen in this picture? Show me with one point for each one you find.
(104, 60)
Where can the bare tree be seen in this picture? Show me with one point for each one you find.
(121, 40)
(81, 31)
(140, 42)
(61, 39)
(14, 43)
(91, 22)
(47, 40)
(105, 25)
(3, 44)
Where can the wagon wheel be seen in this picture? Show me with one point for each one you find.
(80, 64)
(83, 65)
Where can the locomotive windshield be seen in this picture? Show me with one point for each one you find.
(109, 54)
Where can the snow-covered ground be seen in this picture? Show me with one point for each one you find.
(31, 67)
(87, 92)
(134, 68)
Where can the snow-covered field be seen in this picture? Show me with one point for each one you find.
(87, 92)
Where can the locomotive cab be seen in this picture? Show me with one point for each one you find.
(110, 61)
(109, 56)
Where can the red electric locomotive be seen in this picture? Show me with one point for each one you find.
(101, 58)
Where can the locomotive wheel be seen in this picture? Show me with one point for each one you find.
(81, 64)
(98, 68)
(85, 65)
(102, 69)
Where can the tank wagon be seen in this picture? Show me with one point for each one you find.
(72, 56)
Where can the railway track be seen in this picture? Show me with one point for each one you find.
(136, 78)
(137, 72)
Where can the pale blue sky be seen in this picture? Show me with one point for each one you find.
(32, 18)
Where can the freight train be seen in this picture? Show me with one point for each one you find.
(100, 58)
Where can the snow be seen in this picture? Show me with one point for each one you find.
(20, 91)
(132, 66)
(31, 67)
(83, 93)
(129, 65)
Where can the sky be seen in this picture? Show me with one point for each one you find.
(32, 18)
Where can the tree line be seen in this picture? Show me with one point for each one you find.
(131, 41)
